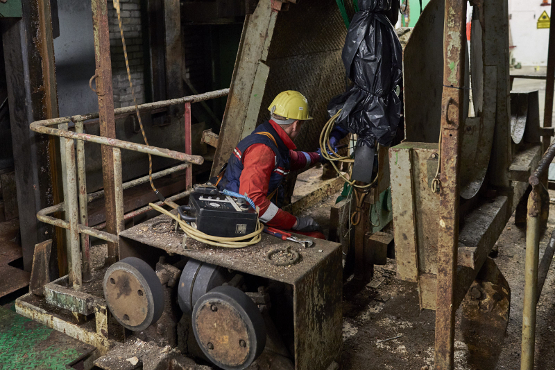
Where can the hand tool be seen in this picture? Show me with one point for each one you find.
(287, 236)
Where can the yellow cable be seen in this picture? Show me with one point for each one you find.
(326, 147)
(118, 10)
(218, 241)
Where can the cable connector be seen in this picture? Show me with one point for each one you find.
(160, 196)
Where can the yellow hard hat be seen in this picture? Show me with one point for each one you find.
(291, 105)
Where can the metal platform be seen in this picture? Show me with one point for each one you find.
(316, 279)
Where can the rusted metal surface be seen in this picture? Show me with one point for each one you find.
(249, 260)
(57, 293)
(126, 111)
(318, 314)
(30, 306)
(375, 247)
(549, 82)
(29, 77)
(127, 298)
(485, 316)
(543, 165)
(531, 280)
(215, 318)
(44, 216)
(188, 144)
(71, 209)
(105, 94)
(118, 188)
(452, 120)
(83, 211)
(524, 163)
(325, 189)
(35, 126)
(317, 282)
(11, 278)
(253, 50)
(40, 274)
(496, 54)
(422, 61)
(210, 138)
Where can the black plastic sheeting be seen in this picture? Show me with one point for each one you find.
(372, 56)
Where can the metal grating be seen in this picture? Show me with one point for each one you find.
(305, 55)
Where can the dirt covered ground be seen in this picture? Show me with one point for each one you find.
(384, 328)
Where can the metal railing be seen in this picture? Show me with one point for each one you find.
(76, 198)
(535, 276)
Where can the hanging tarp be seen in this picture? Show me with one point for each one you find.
(372, 56)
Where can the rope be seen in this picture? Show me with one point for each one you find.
(117, 6)
(217, 241)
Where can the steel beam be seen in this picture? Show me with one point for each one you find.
(448, 236)
(106, 113)
(29, 58)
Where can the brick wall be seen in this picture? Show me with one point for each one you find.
(132, 30)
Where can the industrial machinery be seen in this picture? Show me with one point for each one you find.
(437, 202)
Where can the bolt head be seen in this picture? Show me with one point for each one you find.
(210, 345)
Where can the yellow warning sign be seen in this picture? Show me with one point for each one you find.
(543, 20)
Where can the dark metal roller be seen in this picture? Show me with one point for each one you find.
(197, 279)
(229, 328)
(133, 293)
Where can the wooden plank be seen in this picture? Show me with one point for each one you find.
(404, 223)
(253, 49)
(40, 274)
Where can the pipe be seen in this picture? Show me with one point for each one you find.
(161, 152)
(143, 107)
(545, 264)
(72, 214)
(120, 223)
(145, 209)
(44, 216)
(83, 211)
(142, 180)
(531, 280)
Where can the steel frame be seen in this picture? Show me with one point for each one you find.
(76, 196)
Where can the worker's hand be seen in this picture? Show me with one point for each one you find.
(306, 224)
(330, 153)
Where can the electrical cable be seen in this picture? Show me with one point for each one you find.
(331, 156)
(217, 241)
(117, 6)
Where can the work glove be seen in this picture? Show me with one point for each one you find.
(306, 224)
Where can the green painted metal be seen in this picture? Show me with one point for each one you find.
(26, 344)
(11, 9)
(381, 212)
(414, 11)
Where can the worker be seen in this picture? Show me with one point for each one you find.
(260, 163)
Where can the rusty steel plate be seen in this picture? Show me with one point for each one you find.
(229, 328)
(133, 293)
